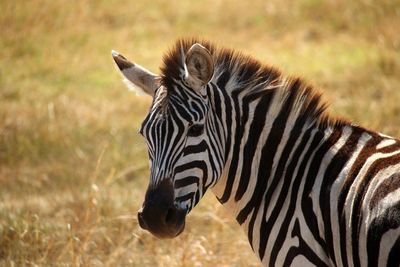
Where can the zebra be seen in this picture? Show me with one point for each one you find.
(309, 189)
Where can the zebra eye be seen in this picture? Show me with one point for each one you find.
(196, 130)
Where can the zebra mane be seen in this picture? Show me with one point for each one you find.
(251, 75)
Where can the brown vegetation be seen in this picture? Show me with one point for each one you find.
(73, 170)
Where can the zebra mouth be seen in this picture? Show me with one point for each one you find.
(180, 229)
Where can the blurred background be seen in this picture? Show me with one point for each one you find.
(73, 170)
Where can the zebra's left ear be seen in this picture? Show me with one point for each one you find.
(199, 66)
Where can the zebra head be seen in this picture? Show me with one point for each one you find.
(179, 134)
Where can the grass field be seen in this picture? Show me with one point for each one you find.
(73, 169)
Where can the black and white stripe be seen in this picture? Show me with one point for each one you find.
(307, 189)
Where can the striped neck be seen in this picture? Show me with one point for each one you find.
(259, 119)
(257, 192)
(263, 132)
(269, 130)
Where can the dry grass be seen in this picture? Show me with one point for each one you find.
(73, 170)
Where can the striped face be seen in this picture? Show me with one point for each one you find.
(177, 131)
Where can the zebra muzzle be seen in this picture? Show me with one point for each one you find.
(159, 215)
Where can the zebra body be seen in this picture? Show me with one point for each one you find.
(307, 189)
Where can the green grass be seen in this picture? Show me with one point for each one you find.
(73, 170)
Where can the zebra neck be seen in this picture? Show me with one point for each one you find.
(259, 163)
(259, 131)
(257, 185)
(273, 133)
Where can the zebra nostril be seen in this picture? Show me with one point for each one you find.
(171, 216)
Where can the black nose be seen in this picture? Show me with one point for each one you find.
(159, 214)
(170, 217)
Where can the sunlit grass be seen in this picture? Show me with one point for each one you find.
(73, 170)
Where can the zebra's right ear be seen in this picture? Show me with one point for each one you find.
(135, 76)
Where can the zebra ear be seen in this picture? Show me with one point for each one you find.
(135, 76)
(199, 66)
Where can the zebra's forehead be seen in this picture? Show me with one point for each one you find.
(177, 97)
(166, 108)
